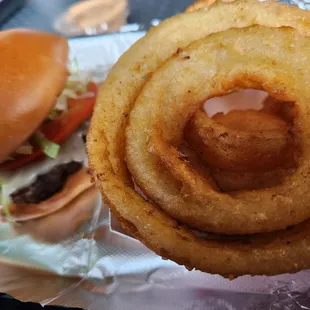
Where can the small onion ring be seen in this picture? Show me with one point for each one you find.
(257, 142)
(229, 181)
(241, 141)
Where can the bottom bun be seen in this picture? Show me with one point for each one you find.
(64, 223)
(74, 186)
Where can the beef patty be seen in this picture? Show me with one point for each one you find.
(46, 185)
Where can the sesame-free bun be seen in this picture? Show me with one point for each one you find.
(73, 187)
(64, 223)
(33, 73)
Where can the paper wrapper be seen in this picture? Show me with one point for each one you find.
(105, 269)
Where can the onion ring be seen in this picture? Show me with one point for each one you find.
(209, 210)
(241, 141)
(284, 251)
(243, 149)
(229, 181)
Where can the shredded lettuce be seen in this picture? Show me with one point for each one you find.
(25, 149)
(77, 81)
(54, 114)
(74, 66)
(62, 103)
(49, 148)
(76, 88)
(5, 202)
(9, 158)
(70, 93)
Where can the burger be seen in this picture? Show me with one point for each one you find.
(43, 161)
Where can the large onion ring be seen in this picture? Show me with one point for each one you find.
(285, 251)
(165, 113)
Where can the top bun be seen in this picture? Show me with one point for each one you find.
(33, 73)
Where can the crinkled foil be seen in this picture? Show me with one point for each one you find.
(105, 269)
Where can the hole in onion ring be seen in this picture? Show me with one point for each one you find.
(247, 145)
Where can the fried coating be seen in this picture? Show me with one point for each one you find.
(138, 124)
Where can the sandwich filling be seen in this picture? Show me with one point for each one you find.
(42, 165)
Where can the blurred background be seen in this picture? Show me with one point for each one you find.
(55, 15)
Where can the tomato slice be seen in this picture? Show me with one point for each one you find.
(59, 129)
